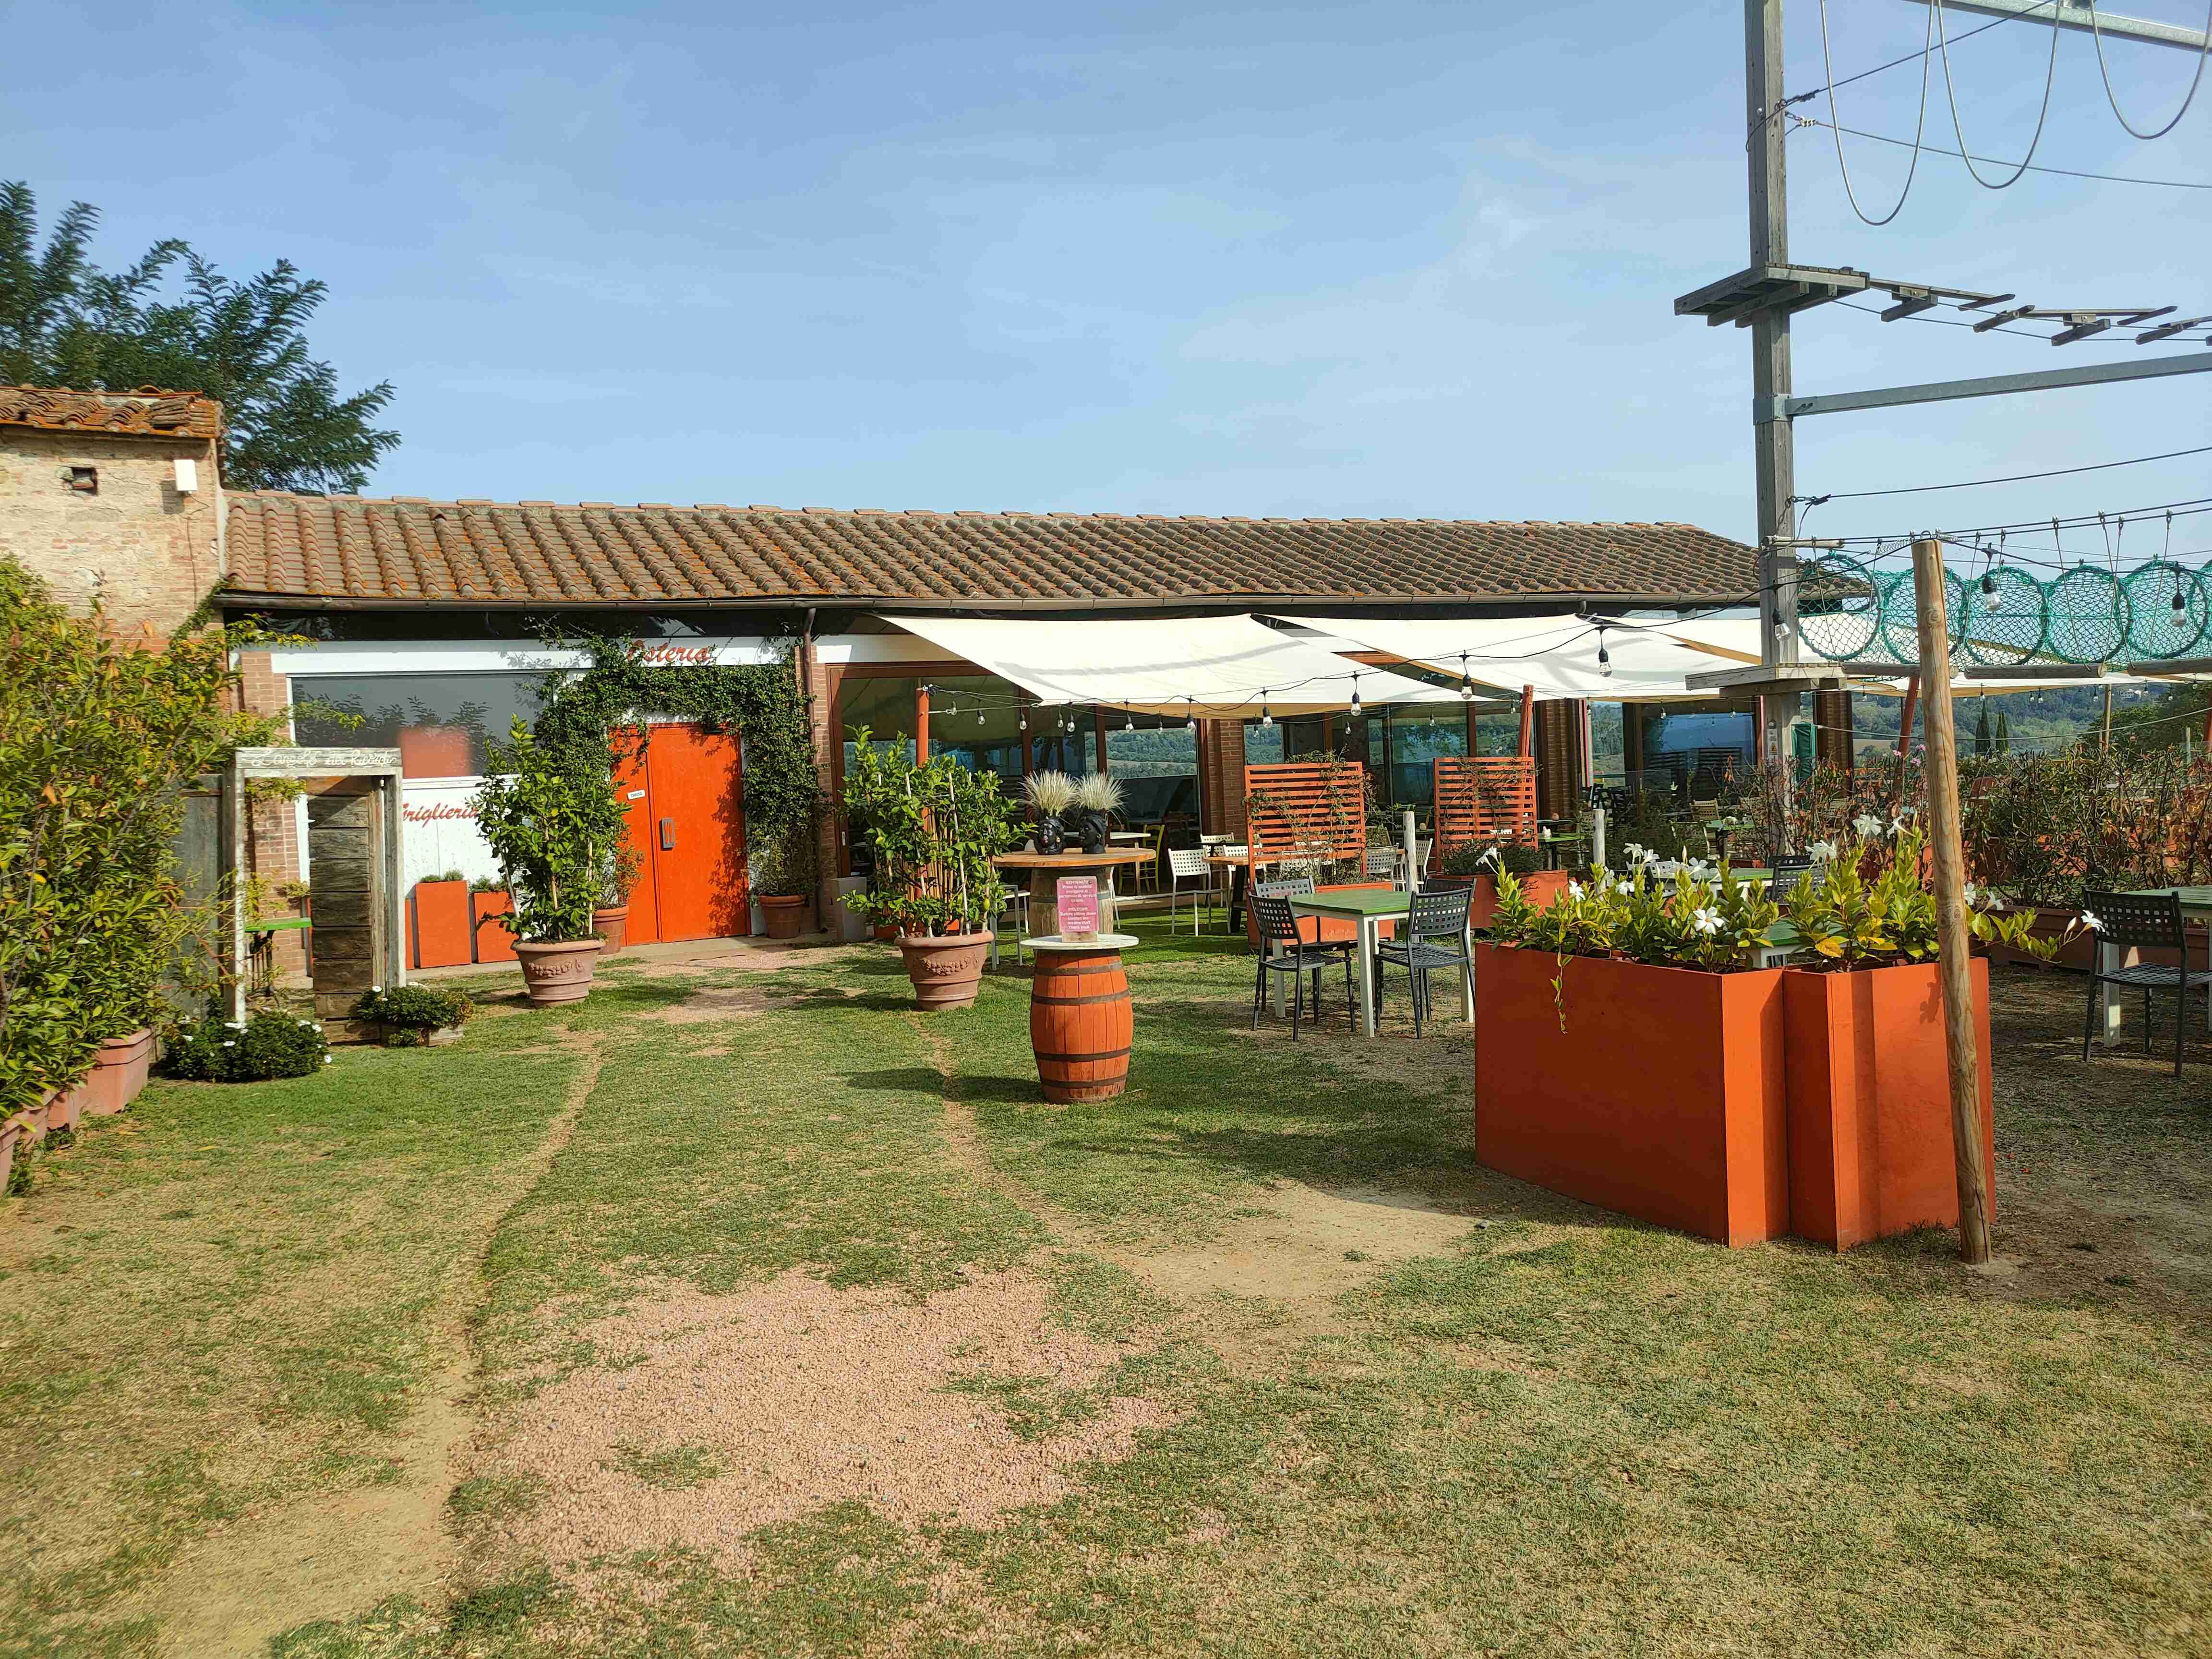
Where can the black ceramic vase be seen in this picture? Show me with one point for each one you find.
(1094, 832)
(1051, 838)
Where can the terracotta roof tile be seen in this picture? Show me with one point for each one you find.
(146, 411)
(408, 548)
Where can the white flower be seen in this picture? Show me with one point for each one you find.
(373, 989)
(327, 1060)
(1867, 824)
(228, 1043)
(1489, 856)
(1970, 892)
(1574, 890)
(1700, 869)
(1706, 919)
(1996, 901)
(2089, 920)
(1626, 888)
(1822, 851)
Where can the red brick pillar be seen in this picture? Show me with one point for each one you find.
(1221, 776)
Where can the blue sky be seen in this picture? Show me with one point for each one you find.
(1387, 260)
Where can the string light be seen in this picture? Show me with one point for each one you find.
(1190, 721)
(1466, 681)
(1604, 656)
(1128, 722)
(1025, 724)
(979, 717)
(1355, 696)
(1266, 718)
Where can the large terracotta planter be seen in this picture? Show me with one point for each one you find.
(66, 1107)
(1663, 1097)
(612, 924)
(557, 972)
(493, 942)
(119, 1071)
(11, 1133)
(947, 973)
(1539, 887)
(441, 924)
(1869, 1101)
(786, 913)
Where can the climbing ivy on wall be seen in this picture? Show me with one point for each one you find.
(603, 707)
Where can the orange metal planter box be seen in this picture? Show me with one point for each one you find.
(1870, 1149)
(494, 942)
(441, 924)
(1664, 1097)
(1538, 887)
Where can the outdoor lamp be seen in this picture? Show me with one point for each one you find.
(1604, 656)
(979, 717)
(1466, 684)
(1128, 722)
(1355, 694)
(1190, 721)
(1266, 718)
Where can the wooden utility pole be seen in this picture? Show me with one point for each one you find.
(2107, 745)
(1953, 939)
(1527, 721)
(921, 724)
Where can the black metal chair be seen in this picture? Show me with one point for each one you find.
(1284, 950)
(2143, 922)
(1434, 913)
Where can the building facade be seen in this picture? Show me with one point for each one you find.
(419, 624)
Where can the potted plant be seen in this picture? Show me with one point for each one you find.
(1050, 795)
(1477, 865)
(783, 878)
(1097, 795)
(933, 830)
(1868, 1081)
(552, 821)
(610, 920)
(410, 1016)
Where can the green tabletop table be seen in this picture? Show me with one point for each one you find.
(1367, 909)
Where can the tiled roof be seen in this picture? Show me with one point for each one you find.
(471, 553)
(144, 412)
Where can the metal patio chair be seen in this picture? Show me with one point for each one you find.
(1187, 864)
(1016, 905)
(1435, 937)
(1283, 949)
(2146, 921)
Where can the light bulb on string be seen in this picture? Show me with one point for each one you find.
(1128, 722)
(979, 717)
(1355, 696)
(1466, 682)
(1604, 656)
(1266, 718)
(1024, 725)
(1190, 720)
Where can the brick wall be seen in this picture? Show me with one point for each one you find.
(144, 553)
(1221, 776)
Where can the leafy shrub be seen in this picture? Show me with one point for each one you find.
(411, 1012)
(98, 738)
(1485, 858)
(933, 830)
(551, 818)
(227, 1051)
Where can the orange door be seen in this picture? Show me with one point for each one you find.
(633, 787)
(696, 834)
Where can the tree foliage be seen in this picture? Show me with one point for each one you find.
(172, 320)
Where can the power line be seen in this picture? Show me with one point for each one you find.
(2064, 172)
(1807, 97)
(2017, 477)
(1851, 194)
(1951, 92)
(2104, 73)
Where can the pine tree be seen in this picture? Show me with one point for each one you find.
(64, 322)
(1986, 742)
(2004, 734)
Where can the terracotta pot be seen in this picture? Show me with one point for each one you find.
(1663, 1097)
(786, 913)
(1869, 1101)
(118, 1073)
(947, 973)
(66, 1108)
(558, 972)
(612, 924)
(1081, 1026)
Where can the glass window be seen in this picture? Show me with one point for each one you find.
(976, 717)
(1708, 748)
(1157, 764)
(1418, 736)
(1609, 749)
(1263, 745)
(439, 723)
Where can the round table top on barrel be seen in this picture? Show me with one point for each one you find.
(1074, 861)
(1096, 942)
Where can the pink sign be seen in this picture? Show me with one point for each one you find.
(1077, 898)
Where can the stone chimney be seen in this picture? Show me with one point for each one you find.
(113, 497)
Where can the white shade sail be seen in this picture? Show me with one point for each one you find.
(1219, 666)
(1558, 653)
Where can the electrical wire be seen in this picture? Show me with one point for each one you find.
(1851, 194)
(2062, 173)
(2017, 477)
(1951, 92)
(2105, 73)
(1806, 97)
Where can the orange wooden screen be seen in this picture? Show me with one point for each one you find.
(1297, 807)
(1483, 799)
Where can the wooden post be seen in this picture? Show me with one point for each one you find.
(921, 724)
(1905, 733)
(1527, 721)
(1953, 940)
(1098, 730)
(2108, 721)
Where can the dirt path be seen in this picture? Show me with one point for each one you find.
(335, 1554)
(1267, 1282)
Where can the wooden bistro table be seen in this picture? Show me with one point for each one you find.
(1081, 1024)
(1047, 868)
(1367, 909)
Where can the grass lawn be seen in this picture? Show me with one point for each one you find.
(743, 1311)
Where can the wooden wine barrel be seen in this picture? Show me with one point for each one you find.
(1080, 1023)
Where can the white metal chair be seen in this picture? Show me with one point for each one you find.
(1016, 905)
(1384, 860)
(1188, 864)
